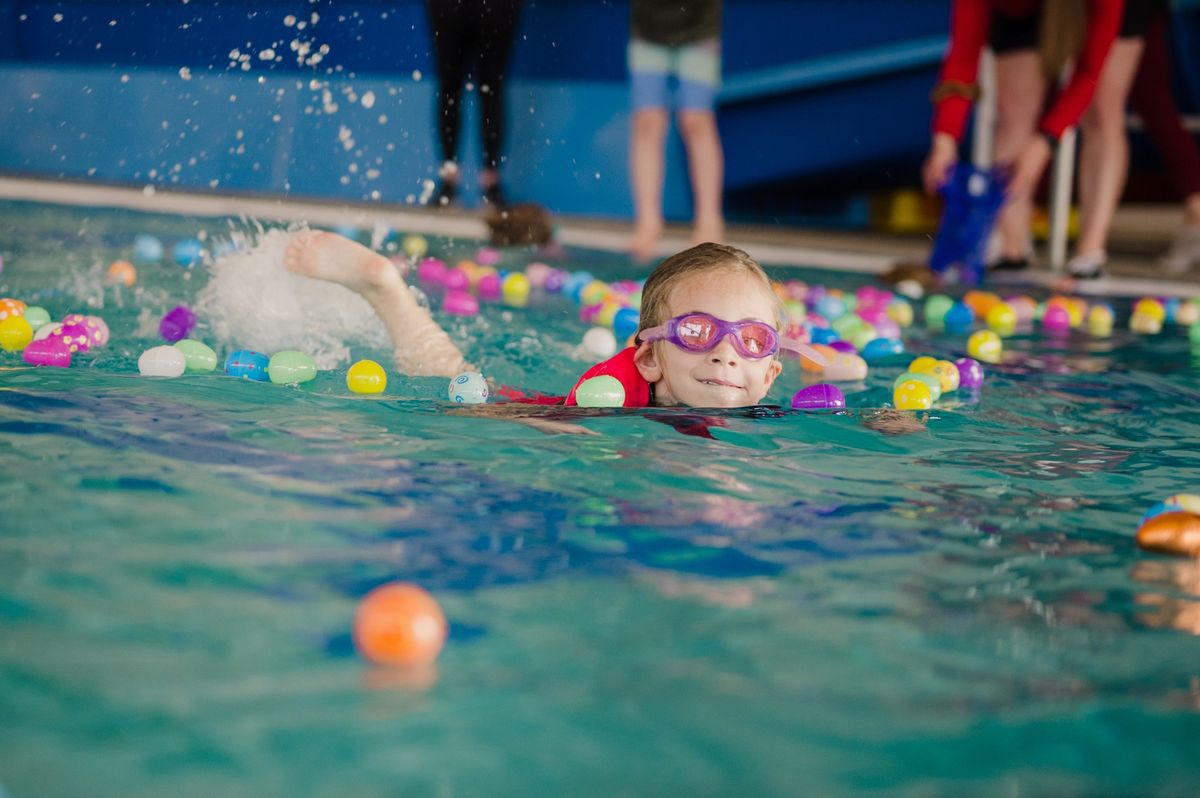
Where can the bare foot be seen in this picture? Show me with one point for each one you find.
(644, 243)
(329, 256)
(706, 230)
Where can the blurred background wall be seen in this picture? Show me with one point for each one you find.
(825, 102)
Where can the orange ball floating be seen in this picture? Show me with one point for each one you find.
(399, 624)
(122, 271)
(11, 307)
(1171, 533)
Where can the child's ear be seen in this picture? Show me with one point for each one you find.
(773, 371)
(647, 363)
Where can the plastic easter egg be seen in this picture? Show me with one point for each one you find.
(824, 335)
(121, 272)
(399, 625)
(431, 270)
(1145, 324)
(593, 293)
(161, 361)
(197, 356)
(1171, 533)
(1100, 321)
(1023, 306)
(607, 312)
(819, 397)
(599, 343)
(831, 307)
(923, 364)
(912, 395)
(844, 347)
(537, 273)
(959, 317)
(863, 335)
(11, 307)
(290, 367)
(468, 388)
(910, 288)
(1056, 319)
(47, 330)
(812, 366)
(970, 373)
(98, 333)
(948, 374)
(1149, 306)
(573, 284)
(1187, 313)
(554, 282)
(900, 311)
(488, 256)
(147, 249)
(489, 284)
(846, 325)
(931, 380)
(1187, 502)
(47, 352)
(366, 376)
(515, 289)
(880, 349)
(1194, 333)
(457, 279)
(247, 364)
(936, 308)
(37, 317)
(625, 323)
(187, 253)
(76, 336)
(177, 324)
(460, 303)
(15, 333)
(845, 367)
(985, 345)
(414, 246)
(1002, 319)
(602, 391)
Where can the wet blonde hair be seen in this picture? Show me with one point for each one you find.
(702, 259)
(1061, 34)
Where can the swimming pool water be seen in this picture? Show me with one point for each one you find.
(784, 604)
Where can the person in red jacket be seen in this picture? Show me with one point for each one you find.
(1033, 41)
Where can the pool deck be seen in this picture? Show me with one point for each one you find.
(1139, 233)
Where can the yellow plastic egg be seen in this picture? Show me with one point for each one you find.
(985, 345)
(366, 376)
(947, 374)
(923, 365)
(15, 333)
(912, 395)
(1145, 324)
(593, 293)
(1002, 318)
(515, 289)
(1150, 307)
(1100, 321)
(415, 246)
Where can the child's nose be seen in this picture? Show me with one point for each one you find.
(724, 352)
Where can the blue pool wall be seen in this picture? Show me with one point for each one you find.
(147, 93)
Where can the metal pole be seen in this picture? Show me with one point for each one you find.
(984, 134)
(1062, 182)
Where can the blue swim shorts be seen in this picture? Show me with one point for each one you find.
(695, 68)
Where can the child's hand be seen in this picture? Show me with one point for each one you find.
(943, 155)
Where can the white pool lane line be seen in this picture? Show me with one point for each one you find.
(464, 225)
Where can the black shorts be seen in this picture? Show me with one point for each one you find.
(1008, 34)
(1138, 14)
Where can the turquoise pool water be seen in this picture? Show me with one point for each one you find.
(796, 605)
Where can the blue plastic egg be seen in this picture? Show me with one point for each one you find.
(187, 252)
(625, 323)
(824, 335)
(959, 317)
(248, 364)
(575, 283)
(147, 249)
(879, 349)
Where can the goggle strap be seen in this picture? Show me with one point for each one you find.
(803, 350)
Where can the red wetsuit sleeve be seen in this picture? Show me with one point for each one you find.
(1104, 20)
(969, 23)
(621, 366)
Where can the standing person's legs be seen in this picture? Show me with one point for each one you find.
(649, 65)
(497, 32)
(446, 30)
(699, 77)
(1151, 99)
(1104, 157)
(1020, 90)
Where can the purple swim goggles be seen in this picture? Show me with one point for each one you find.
(700, 332)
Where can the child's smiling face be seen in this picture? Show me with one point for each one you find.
(719, 377)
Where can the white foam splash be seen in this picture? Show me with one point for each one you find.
(253, 302)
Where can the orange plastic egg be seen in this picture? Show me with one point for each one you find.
(399, 624)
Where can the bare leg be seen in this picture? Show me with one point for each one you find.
(1019, 92)
(646, 157)
(706, 164)
(420, 346)
(1104, 157)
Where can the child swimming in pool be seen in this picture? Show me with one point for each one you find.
(709, 333)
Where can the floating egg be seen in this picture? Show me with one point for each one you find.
(931, 380)
(923, 364)
(593, 293)
(161, 361)
(1100, 321)
(15, 333)
(1145, 324)
(488, 256)
(37, 317)
(97, 330)
(290, 367)
(970, 373)
(147, 249)
(515, 289)
(900, 311)
(400, 625)
(121, 272)
(599, 343)
(572, 284)
(468, 388)
(47, 330)
(187, 253)
(431, 270)
(177, 324)
(936, 308)
(554, 281)
(414, 246)
(247, 364)
(947, 372)
(1188, 313)
(537, 273)
(959, 317)
(1056, 319)
(11, 307)
(845, 367)
(985, 345)
(457, 279)
(602, 391)
(489, 284)
(1150, 307)
(912, 395)
(1171, 533)
(197, 356)
(880, 349)
(47, 352)
(625, 323)
(819, 397)
(366, 376)
(910, 288)
(1001, 318)
(75, 335)
(460, 303)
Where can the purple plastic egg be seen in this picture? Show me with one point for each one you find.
(843, 346)
(554, 280)
(1056, 319)
(819, 397)
(970, 373)
(47, 352)
(431, 270)
(460, 303)
(457, 279)
(489, 286)
(75, 337)
(177, 324)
